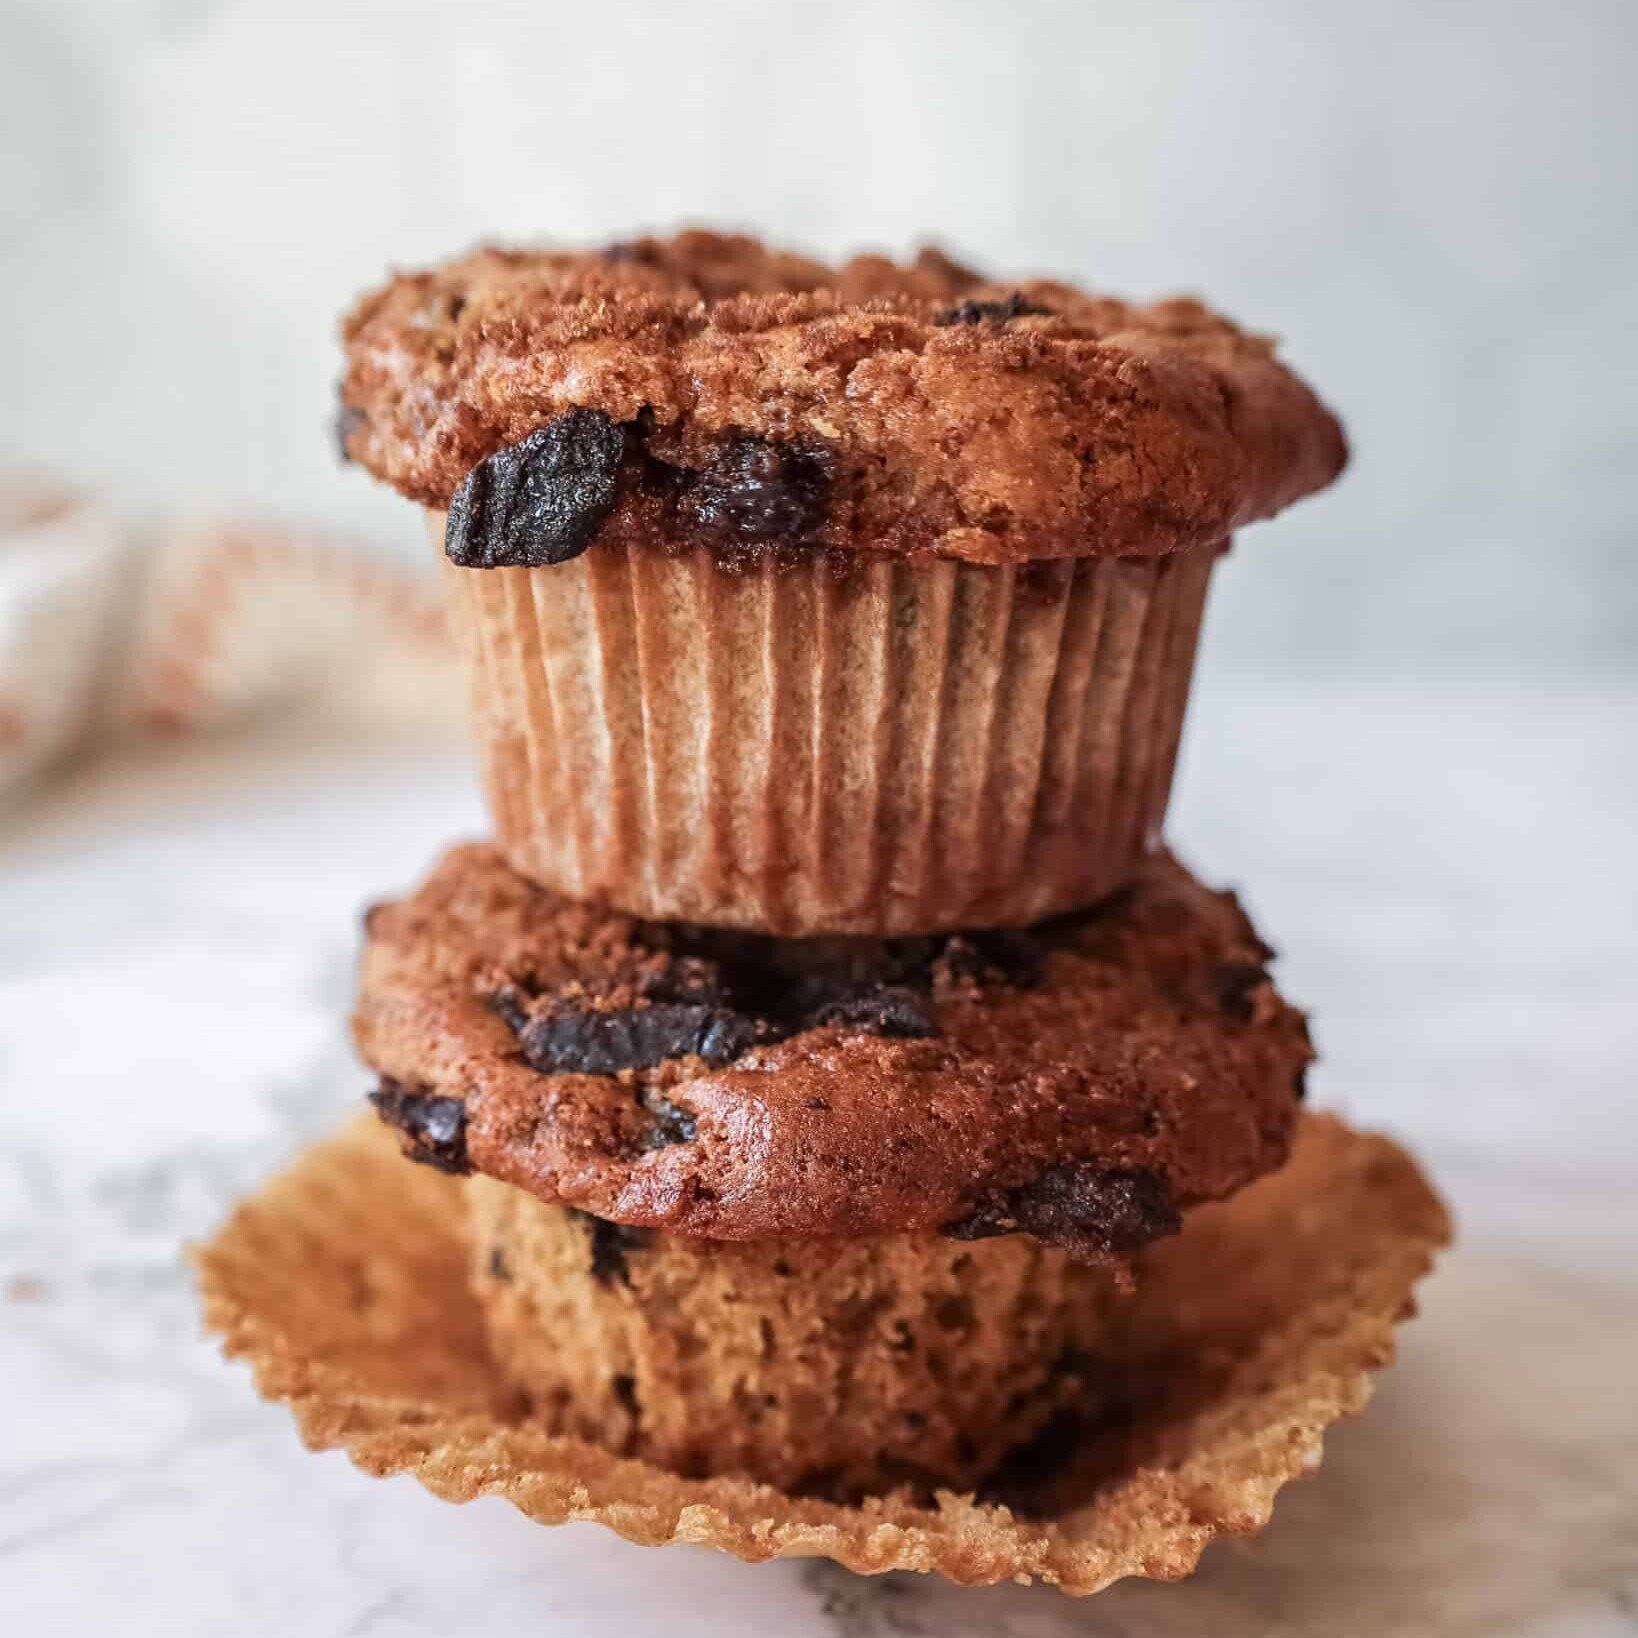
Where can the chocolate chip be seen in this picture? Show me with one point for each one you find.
(671, 1124)
(1092, 1211)
(624, 1386)
(347, 421)
(756, 491)
(567, 1040)
(975, 312)
(1235, 985)
(538, 501)
(611, 1243)
(433, 1127)
(498, 1269)
(877, 1009)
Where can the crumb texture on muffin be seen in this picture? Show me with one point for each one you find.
(1085, 1082)
(833, 1368)
(343, 1283)
(758, 398)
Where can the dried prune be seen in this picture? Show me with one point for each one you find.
(541, 500)
(975, 312)
(433, 1127)
(757, 491)
(1092, 1211)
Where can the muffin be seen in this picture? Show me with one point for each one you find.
(837, 1215)
(822, 601)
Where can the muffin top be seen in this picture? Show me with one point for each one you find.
(1085, 1082)
(707, 387)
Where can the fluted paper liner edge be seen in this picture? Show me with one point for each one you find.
(881, 748)
(344, 1283)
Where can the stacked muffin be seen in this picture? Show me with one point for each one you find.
(825, 1032)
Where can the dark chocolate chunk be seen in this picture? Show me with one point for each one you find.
(758, 491)
(611, 1244)
(538, 501)
(567, 1040)
(976, 312)
(433, 1128)
(672, 1123)
(1092, 1211)
(348, 420)
(498, 1269)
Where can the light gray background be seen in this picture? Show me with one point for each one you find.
(1436, 204)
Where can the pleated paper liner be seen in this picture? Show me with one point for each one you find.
(343, 1282)
(880, 747)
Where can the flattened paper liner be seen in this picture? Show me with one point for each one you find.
(896, 748)
(343, 1282)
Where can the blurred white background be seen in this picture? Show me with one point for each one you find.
(1436, 204)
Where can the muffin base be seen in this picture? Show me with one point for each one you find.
(344, 1283)
(827, 1367)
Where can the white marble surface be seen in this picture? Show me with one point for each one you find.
(1451, 882)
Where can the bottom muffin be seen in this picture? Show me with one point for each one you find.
(828, 1367)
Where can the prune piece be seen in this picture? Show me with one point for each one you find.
(672, 1123)
(348, 420)
(563, 1040)
(757, 491)
(611, 1244)
(433, 1127)
(975, 312)
(878, 1009)
(1092, 1211)
(538, 501)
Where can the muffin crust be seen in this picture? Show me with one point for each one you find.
(1087, 1082)
(916, 409)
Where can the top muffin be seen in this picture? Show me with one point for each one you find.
(741, 393)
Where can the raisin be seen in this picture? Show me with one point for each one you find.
(976, 312)
(1092, 1211)
(538, 501)
(433, 1127)
(759, 492)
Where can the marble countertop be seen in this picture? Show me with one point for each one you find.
(1451, 883)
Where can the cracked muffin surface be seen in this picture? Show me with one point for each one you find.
(1085, 1082)
(760, 398)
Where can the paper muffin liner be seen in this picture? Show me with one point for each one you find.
(343, 1283)
(834, 1367)
(821, 747)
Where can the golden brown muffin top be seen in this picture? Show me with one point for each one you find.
(920, 409)
(1086, 1082)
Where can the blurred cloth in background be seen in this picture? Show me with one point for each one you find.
(112, 625)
